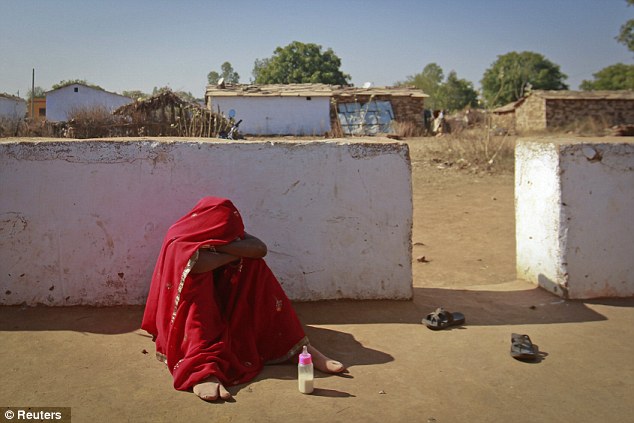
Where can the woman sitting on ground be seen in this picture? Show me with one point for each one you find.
(215, 310)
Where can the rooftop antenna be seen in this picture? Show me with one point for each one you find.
(221, 83)
(367, 84)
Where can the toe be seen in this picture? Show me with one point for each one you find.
(335, 366)
(224, 394)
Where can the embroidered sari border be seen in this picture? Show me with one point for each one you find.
(190, 264)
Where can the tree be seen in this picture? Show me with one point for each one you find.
(429, 81)
(38, 93)
(135, 94)
(456, 94)
(63, 84)
(614, 77)
(512, 74)
(300, 63)
(183, 95)
(227, 73)
(453, 94)
(626, 34)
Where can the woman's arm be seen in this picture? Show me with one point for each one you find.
(250, 247)
(210, 259)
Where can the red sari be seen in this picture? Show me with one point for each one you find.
(225, 323)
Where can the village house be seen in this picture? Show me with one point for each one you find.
(62, 102)
(12, 111)
(542, 110)
(12, 107)
(317, 109)
(38, 108)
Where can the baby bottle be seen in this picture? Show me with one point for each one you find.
(305, 372)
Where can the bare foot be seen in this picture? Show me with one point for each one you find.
(323, 363)
(210, 389)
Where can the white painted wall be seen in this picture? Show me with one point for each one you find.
(574, 203)
(278, 115)
(12, 108)
(81, 222)
(61, 102)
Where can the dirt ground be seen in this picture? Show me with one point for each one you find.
(97, 361)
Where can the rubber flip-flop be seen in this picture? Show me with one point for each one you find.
(522, 348)
(441, 319)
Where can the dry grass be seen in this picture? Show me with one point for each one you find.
(406, 129)
(476, 150)
(588, 127)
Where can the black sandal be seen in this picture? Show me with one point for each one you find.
(522, 348)
(441, 319)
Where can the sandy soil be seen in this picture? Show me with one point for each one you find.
(98, 363)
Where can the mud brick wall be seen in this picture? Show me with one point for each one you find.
(531, 115)
(607, 112)
(503, 121)
(407, 109)
(537, 113)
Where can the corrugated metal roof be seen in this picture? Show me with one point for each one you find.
(307, 90)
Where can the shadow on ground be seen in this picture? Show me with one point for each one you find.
(482, 307)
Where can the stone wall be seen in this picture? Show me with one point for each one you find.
(562, 113)
(531, 115)
(538, 113)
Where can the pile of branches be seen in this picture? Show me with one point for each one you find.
(166, 114)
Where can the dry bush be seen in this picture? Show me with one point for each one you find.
(90, 122)
(475, 149)
(589, 126)
(27, 128)
(9, 127)
(405, 129)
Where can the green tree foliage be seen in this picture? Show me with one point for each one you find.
(626, 34)
(512, 74)
(456, 94)
(226, 72)
(429, 80)
(184, 95)
(64, 83)
(300, 63)
(37, 92)
(614, 77)
(453, 94)
(135, 94)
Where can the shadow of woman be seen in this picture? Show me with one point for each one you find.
(339, 346)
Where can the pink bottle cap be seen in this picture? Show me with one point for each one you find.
(305, 357)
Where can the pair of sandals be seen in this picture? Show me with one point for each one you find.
(522, 348)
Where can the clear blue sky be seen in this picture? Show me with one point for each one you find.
(141, 44)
